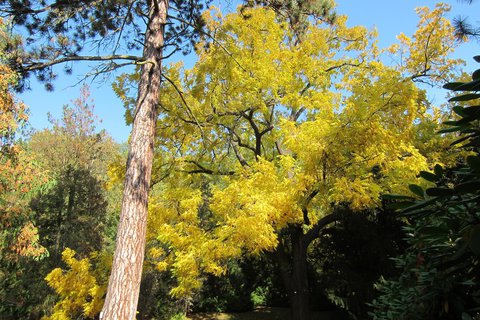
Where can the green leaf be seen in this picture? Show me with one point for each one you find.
(468, 187)
(454, 129)
(468, 283)
(476, 58)
(452, 85)
(460, 140)
(468, 130)
(396, 197)
(474, 142)
(417, 190)
(451, 123)
(430, 231)
(474, 162)
(438, 169)
(439, 192)
(466, 86)
(428, 176)
(400, 205)
(465, 97)
(472, 110)
(419, 205)
(474, 239)
(467, 119)
(459, 110)
(476, 74)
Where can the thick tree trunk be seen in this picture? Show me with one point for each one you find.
(124, 283)
(293, 265)
(293, 270)
(299, 290)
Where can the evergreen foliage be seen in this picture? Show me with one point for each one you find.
(439, 278)
(350, 256)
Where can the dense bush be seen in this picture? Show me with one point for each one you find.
(351, 255)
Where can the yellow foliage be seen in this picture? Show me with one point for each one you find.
(116, 172)
(426, 52)
(81, 288)
(174, 221)
(264, 133)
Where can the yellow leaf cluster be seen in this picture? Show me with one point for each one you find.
(81, 289)
(187, 250)
(260, 201)
(426, 52)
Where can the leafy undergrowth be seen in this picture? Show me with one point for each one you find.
(264, 313)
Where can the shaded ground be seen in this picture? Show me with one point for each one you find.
(263, 314)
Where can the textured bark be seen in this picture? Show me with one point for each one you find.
(124, 283)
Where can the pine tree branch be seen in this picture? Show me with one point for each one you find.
(42, 65)
(124, 22)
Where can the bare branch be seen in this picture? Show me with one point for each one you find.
(180, 93)
(202, 169)
(345, 64)
(258, 134)
(305, 204)
(120, 32)
(239, 156)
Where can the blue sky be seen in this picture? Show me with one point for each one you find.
(389, 17)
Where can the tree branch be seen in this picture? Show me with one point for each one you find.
(305, 205)
(239, 156)
(120, 32)
(202, 169)
(256, 131)
(213, 39)
(313, 233)
(42, 65)
(345, 64)
(236, 138)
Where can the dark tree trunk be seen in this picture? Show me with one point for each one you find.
(124, 283)
(299, 291)
(293, 265)
(147, 296)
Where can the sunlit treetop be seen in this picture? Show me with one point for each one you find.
(424, 55)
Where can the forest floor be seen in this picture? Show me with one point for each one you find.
(263, 314)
